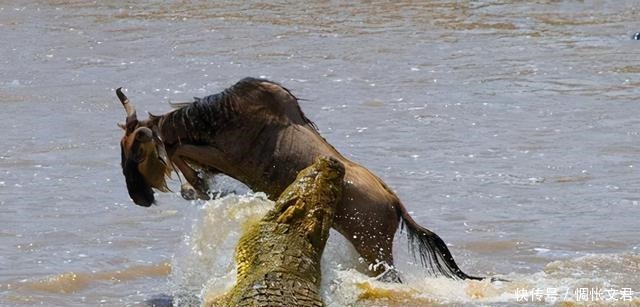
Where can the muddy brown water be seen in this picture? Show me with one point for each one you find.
(510, 128)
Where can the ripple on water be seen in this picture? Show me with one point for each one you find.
(72, 282)
(504, 103)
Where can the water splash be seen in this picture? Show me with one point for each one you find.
(204, 269)
(205, 265)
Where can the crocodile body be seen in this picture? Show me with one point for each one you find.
(278, 258)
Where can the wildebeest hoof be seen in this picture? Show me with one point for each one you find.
(391, 275)
(496, 279)
(188, 192)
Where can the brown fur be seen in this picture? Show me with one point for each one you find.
(256, 132)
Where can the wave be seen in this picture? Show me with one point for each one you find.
(72, 282)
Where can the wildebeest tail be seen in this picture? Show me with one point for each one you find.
(431, 249)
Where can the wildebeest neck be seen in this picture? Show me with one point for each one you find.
(243, 122)
(248, 106)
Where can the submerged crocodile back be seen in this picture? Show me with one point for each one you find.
(277, 267)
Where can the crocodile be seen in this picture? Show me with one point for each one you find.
(278, 258)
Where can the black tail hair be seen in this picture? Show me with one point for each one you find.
(431, 249)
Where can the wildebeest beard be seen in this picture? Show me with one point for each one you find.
(139, 190)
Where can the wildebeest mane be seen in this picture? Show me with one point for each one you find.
(213, 113)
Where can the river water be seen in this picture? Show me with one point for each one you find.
(510, 128)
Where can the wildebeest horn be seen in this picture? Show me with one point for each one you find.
(128, 106)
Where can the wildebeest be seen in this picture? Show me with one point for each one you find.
(255, 132)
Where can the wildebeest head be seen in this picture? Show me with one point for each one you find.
(144, 159)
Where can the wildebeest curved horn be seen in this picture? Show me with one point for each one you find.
(128, 106)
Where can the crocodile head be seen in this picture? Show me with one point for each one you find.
(298, 225)
(278, 258)
(308, 204)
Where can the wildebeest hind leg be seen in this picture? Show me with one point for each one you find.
(378, 252)
(374, 243)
